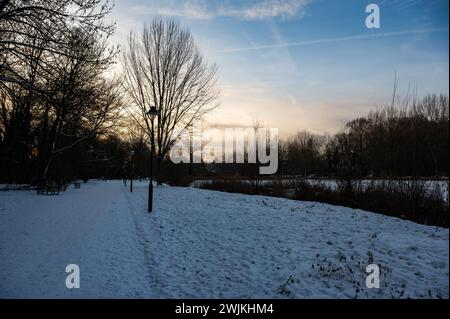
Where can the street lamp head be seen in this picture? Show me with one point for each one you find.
(152, 113)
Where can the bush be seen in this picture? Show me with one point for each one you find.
(406, 199)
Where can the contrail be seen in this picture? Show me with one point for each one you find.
(331, 40)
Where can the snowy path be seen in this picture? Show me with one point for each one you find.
(91, 227)
(202, 243)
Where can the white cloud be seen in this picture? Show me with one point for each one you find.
(204, 9)
(275, 8)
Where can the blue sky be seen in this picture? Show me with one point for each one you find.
(307, 64)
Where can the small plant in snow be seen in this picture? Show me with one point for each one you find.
(350, 274)
(283, 289)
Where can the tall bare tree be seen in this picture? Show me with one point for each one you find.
(50, 22)
(84, 102)
(164, 68)
(53, 58)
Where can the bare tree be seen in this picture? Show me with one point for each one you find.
(163, 68)
(53, 55)
(84, 102)
(51, 22)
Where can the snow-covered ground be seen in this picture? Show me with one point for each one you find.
(201, 243)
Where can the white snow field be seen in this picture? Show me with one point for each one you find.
(201, 243)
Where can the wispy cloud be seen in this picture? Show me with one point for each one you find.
(204, 9)
(403, 4)
(337, 39)
(273, 8)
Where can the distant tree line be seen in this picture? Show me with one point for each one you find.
(388, 143)
(408, 139)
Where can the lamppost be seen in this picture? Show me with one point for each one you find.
(132, 171)
(152, 114)
(125, 173)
